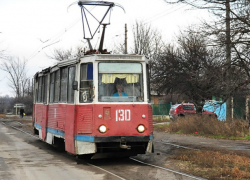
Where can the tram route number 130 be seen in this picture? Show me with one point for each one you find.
(123, 115)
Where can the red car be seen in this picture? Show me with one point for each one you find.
(183, 109)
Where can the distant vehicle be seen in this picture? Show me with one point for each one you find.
(184, 109)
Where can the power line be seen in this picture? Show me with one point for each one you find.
(121, 33)
(55, 37)
(166, 14)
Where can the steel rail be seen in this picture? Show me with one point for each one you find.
(167, 169)
(176, 145)
(40, 139)
(106, 171)
(159, 167)
(20, 130)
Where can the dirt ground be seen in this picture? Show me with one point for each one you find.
(168, 145)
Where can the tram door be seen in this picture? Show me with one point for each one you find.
(70, 109)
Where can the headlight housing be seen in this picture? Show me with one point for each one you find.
(141, 128)
(102, 129)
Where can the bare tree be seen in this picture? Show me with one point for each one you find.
(60, 54)
(118, 48)
(229, 30)
(17, 77)
(147, 40)
(195, 70)
(2, 53)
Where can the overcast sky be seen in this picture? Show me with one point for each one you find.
(30, 29)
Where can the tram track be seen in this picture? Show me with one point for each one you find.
(19, 129)
(177, 146)
(106, 171)
(167, 169)
(184, 175)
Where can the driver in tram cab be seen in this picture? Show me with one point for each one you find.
(119, 92)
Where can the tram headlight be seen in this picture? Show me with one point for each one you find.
(102, 129)
(141, 128)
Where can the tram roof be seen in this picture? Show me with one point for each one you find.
(114, 57)
(93, 58)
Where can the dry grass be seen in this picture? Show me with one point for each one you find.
(161, 127)
(27, 124)
(213, 164)
(209, 126)
(2, 115)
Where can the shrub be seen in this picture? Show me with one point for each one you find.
(206, 125)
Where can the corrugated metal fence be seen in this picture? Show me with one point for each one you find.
(239, 108)
(161, 109)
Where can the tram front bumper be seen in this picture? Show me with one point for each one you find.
(88, 145)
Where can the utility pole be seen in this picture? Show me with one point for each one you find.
(228, 59)
(126, 45)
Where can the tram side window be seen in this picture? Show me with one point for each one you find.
(45, 81)
(39, 95)
(57, 86)
(71, 79)
(42, 89)
(86, 83)
(63, 87)
(52, 87)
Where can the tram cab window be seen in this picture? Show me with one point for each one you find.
(86, 83)
(127, 77)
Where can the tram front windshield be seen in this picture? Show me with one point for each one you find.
(120, 82)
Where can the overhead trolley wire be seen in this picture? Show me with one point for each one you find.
(148, 21)
(55, 37)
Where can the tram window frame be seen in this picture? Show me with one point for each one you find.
(70, 80)
(39, 89)
(42, 89)
(57, 87)
(52, 87)
(45, 85)
(86, 83)
(63, 84)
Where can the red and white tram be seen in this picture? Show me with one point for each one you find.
(75, 106)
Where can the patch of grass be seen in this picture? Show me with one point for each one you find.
(161, 127)
(211, 127)
(179, 132)
(213, 164)
(215, 136)
(248, 137)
